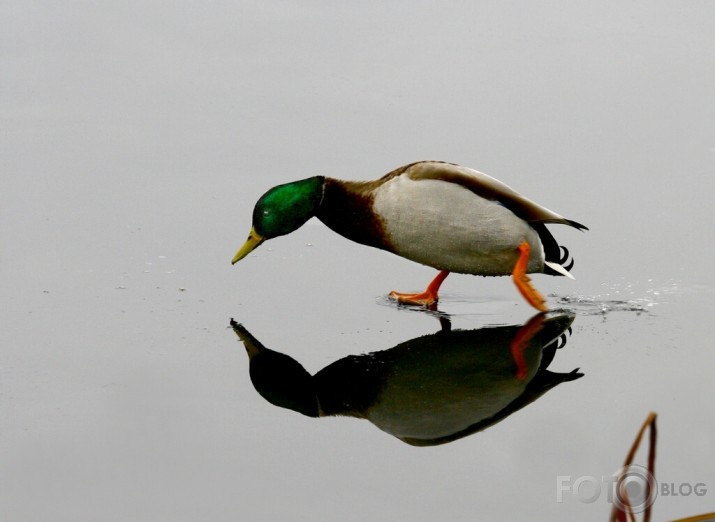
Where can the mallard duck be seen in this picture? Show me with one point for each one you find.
(439, 214)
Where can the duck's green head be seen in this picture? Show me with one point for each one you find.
(282, 210)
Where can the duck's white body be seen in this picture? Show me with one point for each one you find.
(473, 223)
(466, 233)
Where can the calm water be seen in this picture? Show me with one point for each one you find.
(136, 140)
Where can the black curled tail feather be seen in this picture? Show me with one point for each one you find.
(577, 225)
(553, 252)
(564, 258)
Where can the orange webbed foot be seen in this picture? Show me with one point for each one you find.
(523, 282)
(426, 298)
(420, 299)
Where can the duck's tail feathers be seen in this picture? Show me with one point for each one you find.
(576, 224)
(559, 269)
(556, 257)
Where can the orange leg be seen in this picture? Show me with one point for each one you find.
(426, 298)
(522, 281)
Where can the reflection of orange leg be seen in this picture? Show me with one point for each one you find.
(426, 298)
(521, 341)
(522, 281)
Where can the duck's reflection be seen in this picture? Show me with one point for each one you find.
(426, 391)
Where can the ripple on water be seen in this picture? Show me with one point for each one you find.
(636, 297)
(589, 305)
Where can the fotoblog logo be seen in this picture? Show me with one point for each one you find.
(634, 486)
(630, 486)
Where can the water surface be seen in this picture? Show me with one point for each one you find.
(135, 142)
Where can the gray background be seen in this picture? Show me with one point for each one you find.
(135, 139)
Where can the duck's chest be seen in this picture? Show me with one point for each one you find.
(446, 226)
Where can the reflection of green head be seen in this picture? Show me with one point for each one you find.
(286, 208)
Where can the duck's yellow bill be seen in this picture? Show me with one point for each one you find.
(251, 243)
